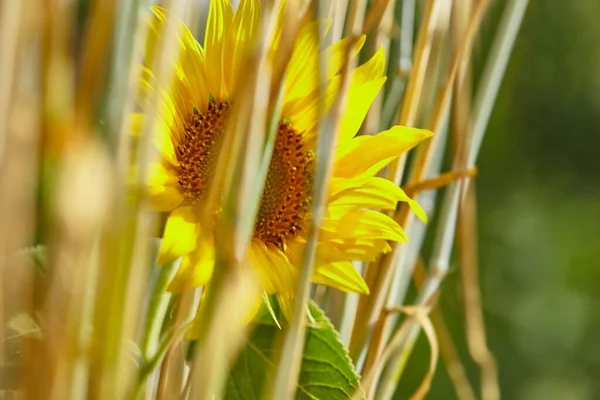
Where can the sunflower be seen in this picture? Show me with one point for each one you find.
(193, 111)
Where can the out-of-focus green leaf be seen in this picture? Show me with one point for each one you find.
(326, 372)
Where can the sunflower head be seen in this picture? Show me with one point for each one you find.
(193, 112)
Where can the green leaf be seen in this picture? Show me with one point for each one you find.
(326, 372)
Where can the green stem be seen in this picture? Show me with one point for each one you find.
(155, 318)
(157, 310)
(173, 335)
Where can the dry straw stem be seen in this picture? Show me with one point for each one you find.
(80, 211)
(241, 204)
(381, 19)
(174, 367)
(426, 151)
(379, 288)
(337, 12)
(97, 39)
(416, 230)
(20, 101)
(450, 356)
(439, 181)
(412, 97)
(10, 26)
(475, 327)
(126, 248)
(402, 65)
(486, 94)
(293, 339)
(346, 303)
(417, 314)
(48, 368)
(356, 16)
(128, 43)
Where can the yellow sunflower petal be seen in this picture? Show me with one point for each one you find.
(300, 79)
(372, 69)
(163, 141)
(369, 154)
(360, 98)
(218, 25)
(354, 249)
(304, 112)
(195, 269)
(189, 85)
(275, 272)
(363, 224)
(163, 193)
(303, 73)
(302, 104)
(136, 123)
(341, 275)
(180, 237)
(240, 42)
(286, 303)
(173, 110)
(375, 192)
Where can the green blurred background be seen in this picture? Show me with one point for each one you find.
(539, 216)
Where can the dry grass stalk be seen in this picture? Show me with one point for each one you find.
(509, 26)
(449, 353)
(99, 261)
(289, 367)
(379, 278)
(475, 327)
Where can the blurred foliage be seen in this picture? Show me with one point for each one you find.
(539, 206)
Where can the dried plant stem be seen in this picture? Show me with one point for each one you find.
(412, 97)
(379, 9)
(439, 182)
(173, 335)
(426, 150)
(10, 24)
(125, 274)
(128, 39)
(157, 309)
(356, 15)
(97, 41)
(289, 364)
(454, 366)
(475, 326)
(486, 94)
(402, 67)
(348, 302)
(424, 156)
(338, 11)
(252, 143)
(370, 306)
(174, 365)
(383, 32)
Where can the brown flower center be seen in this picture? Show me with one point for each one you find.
(199, 148)
(286, 196)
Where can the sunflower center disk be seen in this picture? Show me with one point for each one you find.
(286, 196)
(199, 148)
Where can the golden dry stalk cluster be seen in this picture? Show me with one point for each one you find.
(228, 199)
